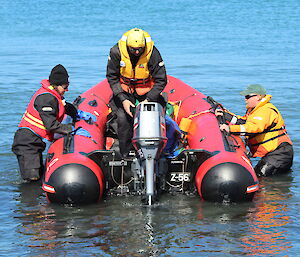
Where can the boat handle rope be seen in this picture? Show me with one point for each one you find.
(236, 145)
(199, 113)
(210, 111)
(100, 99)
(179, 105)
(173, 185)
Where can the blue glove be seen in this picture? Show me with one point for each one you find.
(83, 132)
(172, 148)
(82, 115)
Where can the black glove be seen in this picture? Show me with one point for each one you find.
(71, 111)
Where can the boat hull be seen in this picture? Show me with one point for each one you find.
(81, 169)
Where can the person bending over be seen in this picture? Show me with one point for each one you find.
(135, 73)
(41, 120)
(265, 131)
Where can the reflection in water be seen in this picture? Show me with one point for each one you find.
(266, 222)
(125, 230)
(37, 220)
(177, 226)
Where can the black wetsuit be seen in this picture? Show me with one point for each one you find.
(278, 161)
(28, 146)
(125, 122)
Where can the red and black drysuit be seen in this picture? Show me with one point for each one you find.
(41, 120)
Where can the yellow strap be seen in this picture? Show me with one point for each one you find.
(185, 123)
(197, 114)
(175, 108)
(177, 105)
(34, 123)
(33, 118)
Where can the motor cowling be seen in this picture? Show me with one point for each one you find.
(149, 130)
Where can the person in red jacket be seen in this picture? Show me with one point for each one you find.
(40, 121)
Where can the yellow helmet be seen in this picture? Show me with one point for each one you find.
(136, 38)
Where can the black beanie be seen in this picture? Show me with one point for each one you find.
(59, 75)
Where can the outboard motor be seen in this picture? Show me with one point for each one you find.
(149, 139)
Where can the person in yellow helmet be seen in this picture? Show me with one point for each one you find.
(135, 73)
(265, 131)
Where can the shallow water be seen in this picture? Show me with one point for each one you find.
(215, 46)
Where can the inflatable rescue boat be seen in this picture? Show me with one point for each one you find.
(82, 168)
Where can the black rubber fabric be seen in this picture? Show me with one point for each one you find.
(278, 161)
(28, 148)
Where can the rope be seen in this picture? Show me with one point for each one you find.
(122, 177)
(172, 185)
(179, 105)
(199, 113)
(100, 99)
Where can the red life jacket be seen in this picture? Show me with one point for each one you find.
(32, 119)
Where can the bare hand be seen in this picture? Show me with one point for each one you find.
(126, 105)
(224, 127)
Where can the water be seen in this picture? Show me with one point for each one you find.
(215, 46)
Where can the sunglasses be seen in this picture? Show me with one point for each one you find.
(136, 49)
(65, 86)
(249, 96)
